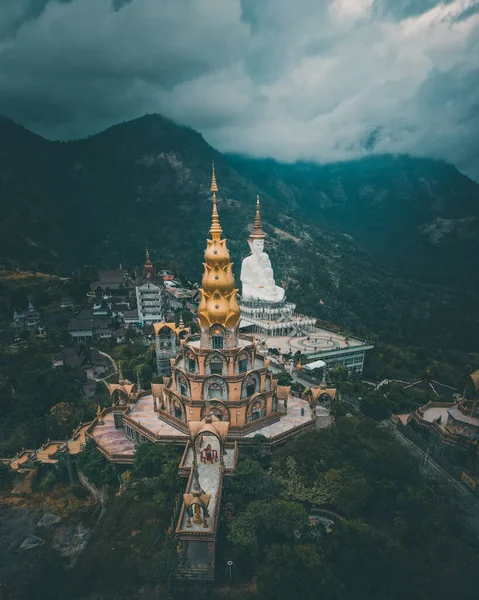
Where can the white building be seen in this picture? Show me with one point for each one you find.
(151, 297)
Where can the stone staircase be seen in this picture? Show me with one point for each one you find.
(198, 572)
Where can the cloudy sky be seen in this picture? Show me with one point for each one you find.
(321, 80)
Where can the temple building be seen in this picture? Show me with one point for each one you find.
(168, 338)
(151, 295)
(450, 424)
(220, 394)
(111, 282)
(274, 322)
(30, 320)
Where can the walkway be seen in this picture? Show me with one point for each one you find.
(210, 481)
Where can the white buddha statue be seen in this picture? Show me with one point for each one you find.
(257, 278)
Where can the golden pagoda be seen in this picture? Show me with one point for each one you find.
(218, 305)
(220, 371)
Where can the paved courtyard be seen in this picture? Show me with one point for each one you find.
(287, 422)
(319, 340)
(113, 440)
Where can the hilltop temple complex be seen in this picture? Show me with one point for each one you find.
(219, 396)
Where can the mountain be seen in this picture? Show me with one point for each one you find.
(383, 245)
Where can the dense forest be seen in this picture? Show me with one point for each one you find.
(394, 535)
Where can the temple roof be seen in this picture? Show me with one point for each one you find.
(217, 428)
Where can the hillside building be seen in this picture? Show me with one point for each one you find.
(151, 296)
(30, 320)
(111, 282)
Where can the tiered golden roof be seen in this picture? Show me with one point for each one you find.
(218, 293)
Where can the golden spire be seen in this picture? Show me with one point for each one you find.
(258, 232)
(218, 293)
(215, 229)
(214, 187)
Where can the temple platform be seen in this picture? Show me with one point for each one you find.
(289, 424)
(143, 414)
(321, 344)
(112, 442)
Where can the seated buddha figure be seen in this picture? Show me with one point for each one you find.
(257, 278)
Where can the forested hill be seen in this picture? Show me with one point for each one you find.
(384, 245)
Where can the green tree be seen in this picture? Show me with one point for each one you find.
(5, 475)
(251, 482)
(338, 374)
(97, 469)
(267, 522)
(376, 406)
(284, 378)
(295, 571)
(157, 460)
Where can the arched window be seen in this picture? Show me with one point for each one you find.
(215, 387)
(218, 409)
(217, 342)
(215, 364)
(182, 385)
(267, 383)
(243, 363)
(190, 363)
(256, 409)
(177, 409)
(217, 338)
(250, 386)
(215, 391)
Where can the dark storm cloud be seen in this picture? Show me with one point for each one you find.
(318, 80)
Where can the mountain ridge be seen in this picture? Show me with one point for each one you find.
(349, 226)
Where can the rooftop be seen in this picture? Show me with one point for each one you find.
(437, 414)
(317, 342)
(142, 413)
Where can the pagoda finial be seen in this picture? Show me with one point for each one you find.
(214, 187)
(215, 229)
(181, 324)
(148, 266)
(258, 232)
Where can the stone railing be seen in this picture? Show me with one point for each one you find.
(241, 430)
(115, 458)
(282, 437)
(173, 421)
(234, 448)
